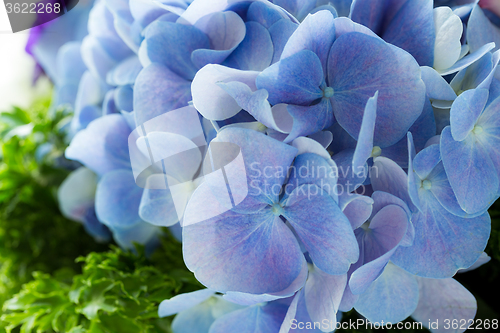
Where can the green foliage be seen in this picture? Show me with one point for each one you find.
(34, 236)
(117, 292)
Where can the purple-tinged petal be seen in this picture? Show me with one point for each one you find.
(357, 208)
(465, 110)
(210, 99)
(387, 176)
(257, 318)
(474, 179)
(385, 232)
(441, 300)
(295, 79)
(481, 31)
(315, 216)
(391, 298)
(102, 146)
(374, 65)
(158, 90)
(444, 243)
(364, 146)
(215, 250)
(161, 35)
(117, 199)
(436, 86)
(316, 34)
(323, 293)
(291, 313)
(183, 302)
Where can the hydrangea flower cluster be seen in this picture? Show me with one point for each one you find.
(313, 156)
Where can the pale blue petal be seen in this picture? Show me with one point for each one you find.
(474, 179)
(436, 86)
(142, 233)
(337, 247)
(280, 33)
(357, 208)
(364, 146)
(349, 179)
(125, 72)
(441, 300)
(483, 259)
(157, 207)
(183, 302)
(310, 119)
(468, 60)
(254, 319)
(263, 13)
(215, 250)
(444, 243)
(323, 293)
(391, 298)
(117, 199)
(465, 110)
(103, 145)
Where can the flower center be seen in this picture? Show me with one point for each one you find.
(426, 184)
(277, 209)
(477, 129)
(376, 151)
(328, 92)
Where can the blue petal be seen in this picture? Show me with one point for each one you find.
(183, 301)
(158, 90)
(280, 34)
(74, 204)
(215, 249)
(255, 52)
(160, 36)
(117, 199)
(436, 86)
(123, 97)
(263, 13)
(310, 119)
(357, 208)
(465, 110)
(125, 72)
(349, 179)
(468, 60)
(474, 178)
(315, 216)
(103, 145)
(387, 229)
(426, 160)
(415, 19)
(323, 293)
(391, 298)
(142, 233)
(364, 146)
(481, 31)
(441, 300)
(360, 65)
(157, 207)
(316, 33)
(293, 80)
(226, 31)
(257, 318)
(444, 243)
(472, 76)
